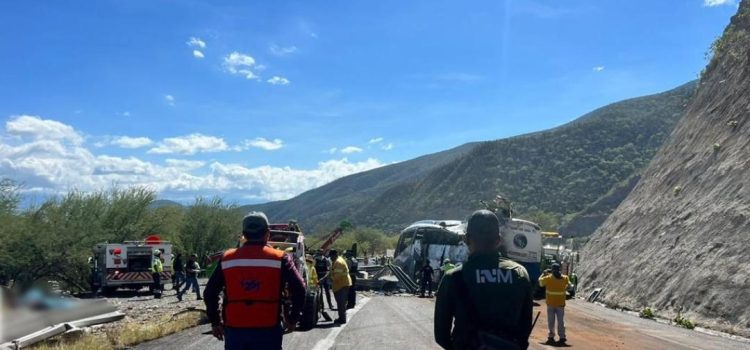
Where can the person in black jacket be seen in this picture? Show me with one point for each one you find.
(178, 272)
(353, 264)
(426, 278)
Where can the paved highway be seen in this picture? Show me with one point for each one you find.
(405, 322)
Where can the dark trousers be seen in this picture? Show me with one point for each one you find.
(352, 292)
(252, 338)
(178, 278)
(326, 283)
(426, 285)
(342, 297)
(190, 281)
(157, 285)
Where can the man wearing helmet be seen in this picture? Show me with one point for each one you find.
(156, 269)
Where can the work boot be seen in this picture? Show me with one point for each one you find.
(550, 341)
(562, 341)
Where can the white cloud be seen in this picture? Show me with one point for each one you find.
(387, 147)
(376, 140)
(190, 144)
(332, 150)
(196, 42)
(185, 164)
(262, 143)
(282, 51)
(711, 3)
(350, 150)
(198, 54)
(131, 142)
(169, 99)
(598, 68)
(274, 183)
(276, 80)
(56, 165)
(41, 129)
(241, 64)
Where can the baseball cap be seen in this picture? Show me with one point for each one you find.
(254, 224)
(483, 223)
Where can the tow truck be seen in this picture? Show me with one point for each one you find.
(128, 264)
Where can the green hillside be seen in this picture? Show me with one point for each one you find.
(329, 204)
(547, 174)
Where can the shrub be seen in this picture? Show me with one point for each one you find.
(683, 322)
(647, 313)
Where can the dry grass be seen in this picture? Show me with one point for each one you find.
(130, 333)
(86, 342)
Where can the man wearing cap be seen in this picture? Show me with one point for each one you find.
(323, 268)
(486, 302)
(555, 284)
(251, 278)
(156, 269)
(191, 278)
(353, 265)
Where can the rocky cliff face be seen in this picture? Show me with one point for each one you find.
(680, 242)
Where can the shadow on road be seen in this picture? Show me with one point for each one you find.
(556, 345)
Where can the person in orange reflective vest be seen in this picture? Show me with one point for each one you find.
(556, 284)
(251, 278)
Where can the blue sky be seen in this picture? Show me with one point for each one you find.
(262, 100)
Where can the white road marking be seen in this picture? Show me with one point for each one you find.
(327, 342)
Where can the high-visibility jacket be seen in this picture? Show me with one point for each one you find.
(312, 273)
(252, 275)
(555, 289)
(340, 274)
(447, 267)
(157, 266)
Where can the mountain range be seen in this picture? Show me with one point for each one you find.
(549, 175)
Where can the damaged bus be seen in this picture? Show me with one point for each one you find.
(437, 240)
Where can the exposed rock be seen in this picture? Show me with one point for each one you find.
(679, 242)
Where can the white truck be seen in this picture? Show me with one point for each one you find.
(128, 265)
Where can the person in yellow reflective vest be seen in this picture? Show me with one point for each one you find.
(555, 283)
(156, 269)
(341, 283)
(447, 266)
(310, 263)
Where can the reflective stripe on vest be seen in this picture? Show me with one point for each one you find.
(555, 293)
(252, 275)
(275, 264)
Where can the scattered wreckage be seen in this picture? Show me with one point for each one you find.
(37, 316)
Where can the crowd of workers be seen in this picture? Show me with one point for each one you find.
(485, 303)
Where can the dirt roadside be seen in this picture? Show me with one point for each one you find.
(591, 326)
(142, 307)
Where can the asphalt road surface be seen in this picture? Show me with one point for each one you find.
(405, 322)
